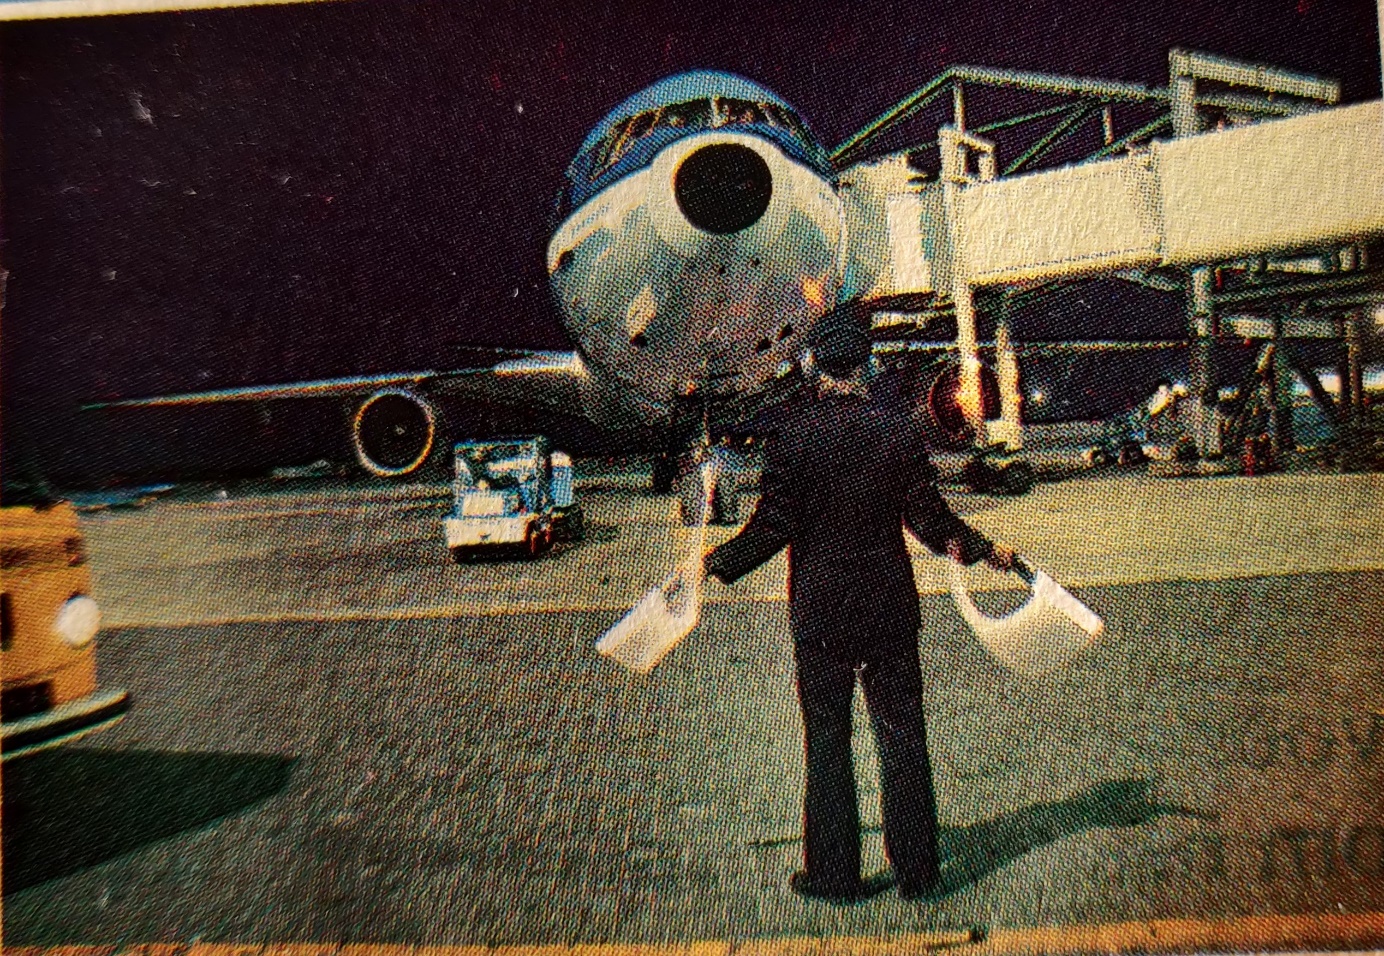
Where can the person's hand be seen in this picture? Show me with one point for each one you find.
(707, 573)
(1002, 558)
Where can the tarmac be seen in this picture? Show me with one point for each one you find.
(340, 737)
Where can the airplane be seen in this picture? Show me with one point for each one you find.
(699, 238)
(702, 231)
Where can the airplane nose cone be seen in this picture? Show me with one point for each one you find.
(723, 188)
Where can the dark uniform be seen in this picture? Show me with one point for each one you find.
(843, 474)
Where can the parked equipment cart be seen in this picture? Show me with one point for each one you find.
(511, 496)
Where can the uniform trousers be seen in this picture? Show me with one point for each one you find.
(892, 683)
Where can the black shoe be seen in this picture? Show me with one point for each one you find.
(925, 887)
(839, 891)
(923, 891)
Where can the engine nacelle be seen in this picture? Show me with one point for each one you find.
(937, 397)
(392, 432)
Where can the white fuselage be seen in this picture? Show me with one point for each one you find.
(663, 311)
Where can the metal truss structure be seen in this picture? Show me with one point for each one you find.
(1031, 181)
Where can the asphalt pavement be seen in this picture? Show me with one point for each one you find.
(339, 736)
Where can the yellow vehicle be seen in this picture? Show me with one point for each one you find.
(48, 625)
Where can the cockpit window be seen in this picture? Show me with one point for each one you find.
(612, 140)
(778, 116)
(731, 112)
(784, 118)
(694, 114)
(643, 124)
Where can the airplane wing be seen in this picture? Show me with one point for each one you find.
(547, 379)
(552, 380)
(395, 426)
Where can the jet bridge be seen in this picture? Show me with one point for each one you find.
(1262, 209)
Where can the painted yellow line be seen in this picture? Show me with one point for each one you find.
(271, 513)
(1359, 931)
(337, 502)
(285, 504)
(1354, 931)
(236, 511)
(427, 612)
(115, 621)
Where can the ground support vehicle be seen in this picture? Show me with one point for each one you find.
(511, 496)
(48, 627)
(995, 471)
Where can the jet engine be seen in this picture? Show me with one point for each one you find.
(392, 432)
(937, 400)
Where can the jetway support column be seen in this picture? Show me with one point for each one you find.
(1010, 428)
(1350, 374)
(1201, 331)
(969, 396)
(1352, 393)
(1281, 398)
(958, 148)
(1201, 319)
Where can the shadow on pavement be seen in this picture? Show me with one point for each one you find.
(66, 810)
(971, 853)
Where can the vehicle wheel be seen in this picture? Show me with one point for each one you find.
(570, 525)
(461, 555)
(1095, 457)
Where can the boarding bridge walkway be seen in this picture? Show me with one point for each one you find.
(1288, 184)
(1278, 191)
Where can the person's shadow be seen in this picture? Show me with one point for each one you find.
(69, 809)
(973, 852)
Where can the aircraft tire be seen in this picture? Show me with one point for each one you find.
(665, 472)
(537, 542)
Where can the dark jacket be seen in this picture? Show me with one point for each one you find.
(842, 475)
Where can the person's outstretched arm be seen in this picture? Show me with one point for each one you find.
(764, 535)
(930, 518)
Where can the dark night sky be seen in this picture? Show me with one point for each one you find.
(225, 197)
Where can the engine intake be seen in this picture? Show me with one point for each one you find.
(938, 398)
(393, 432)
